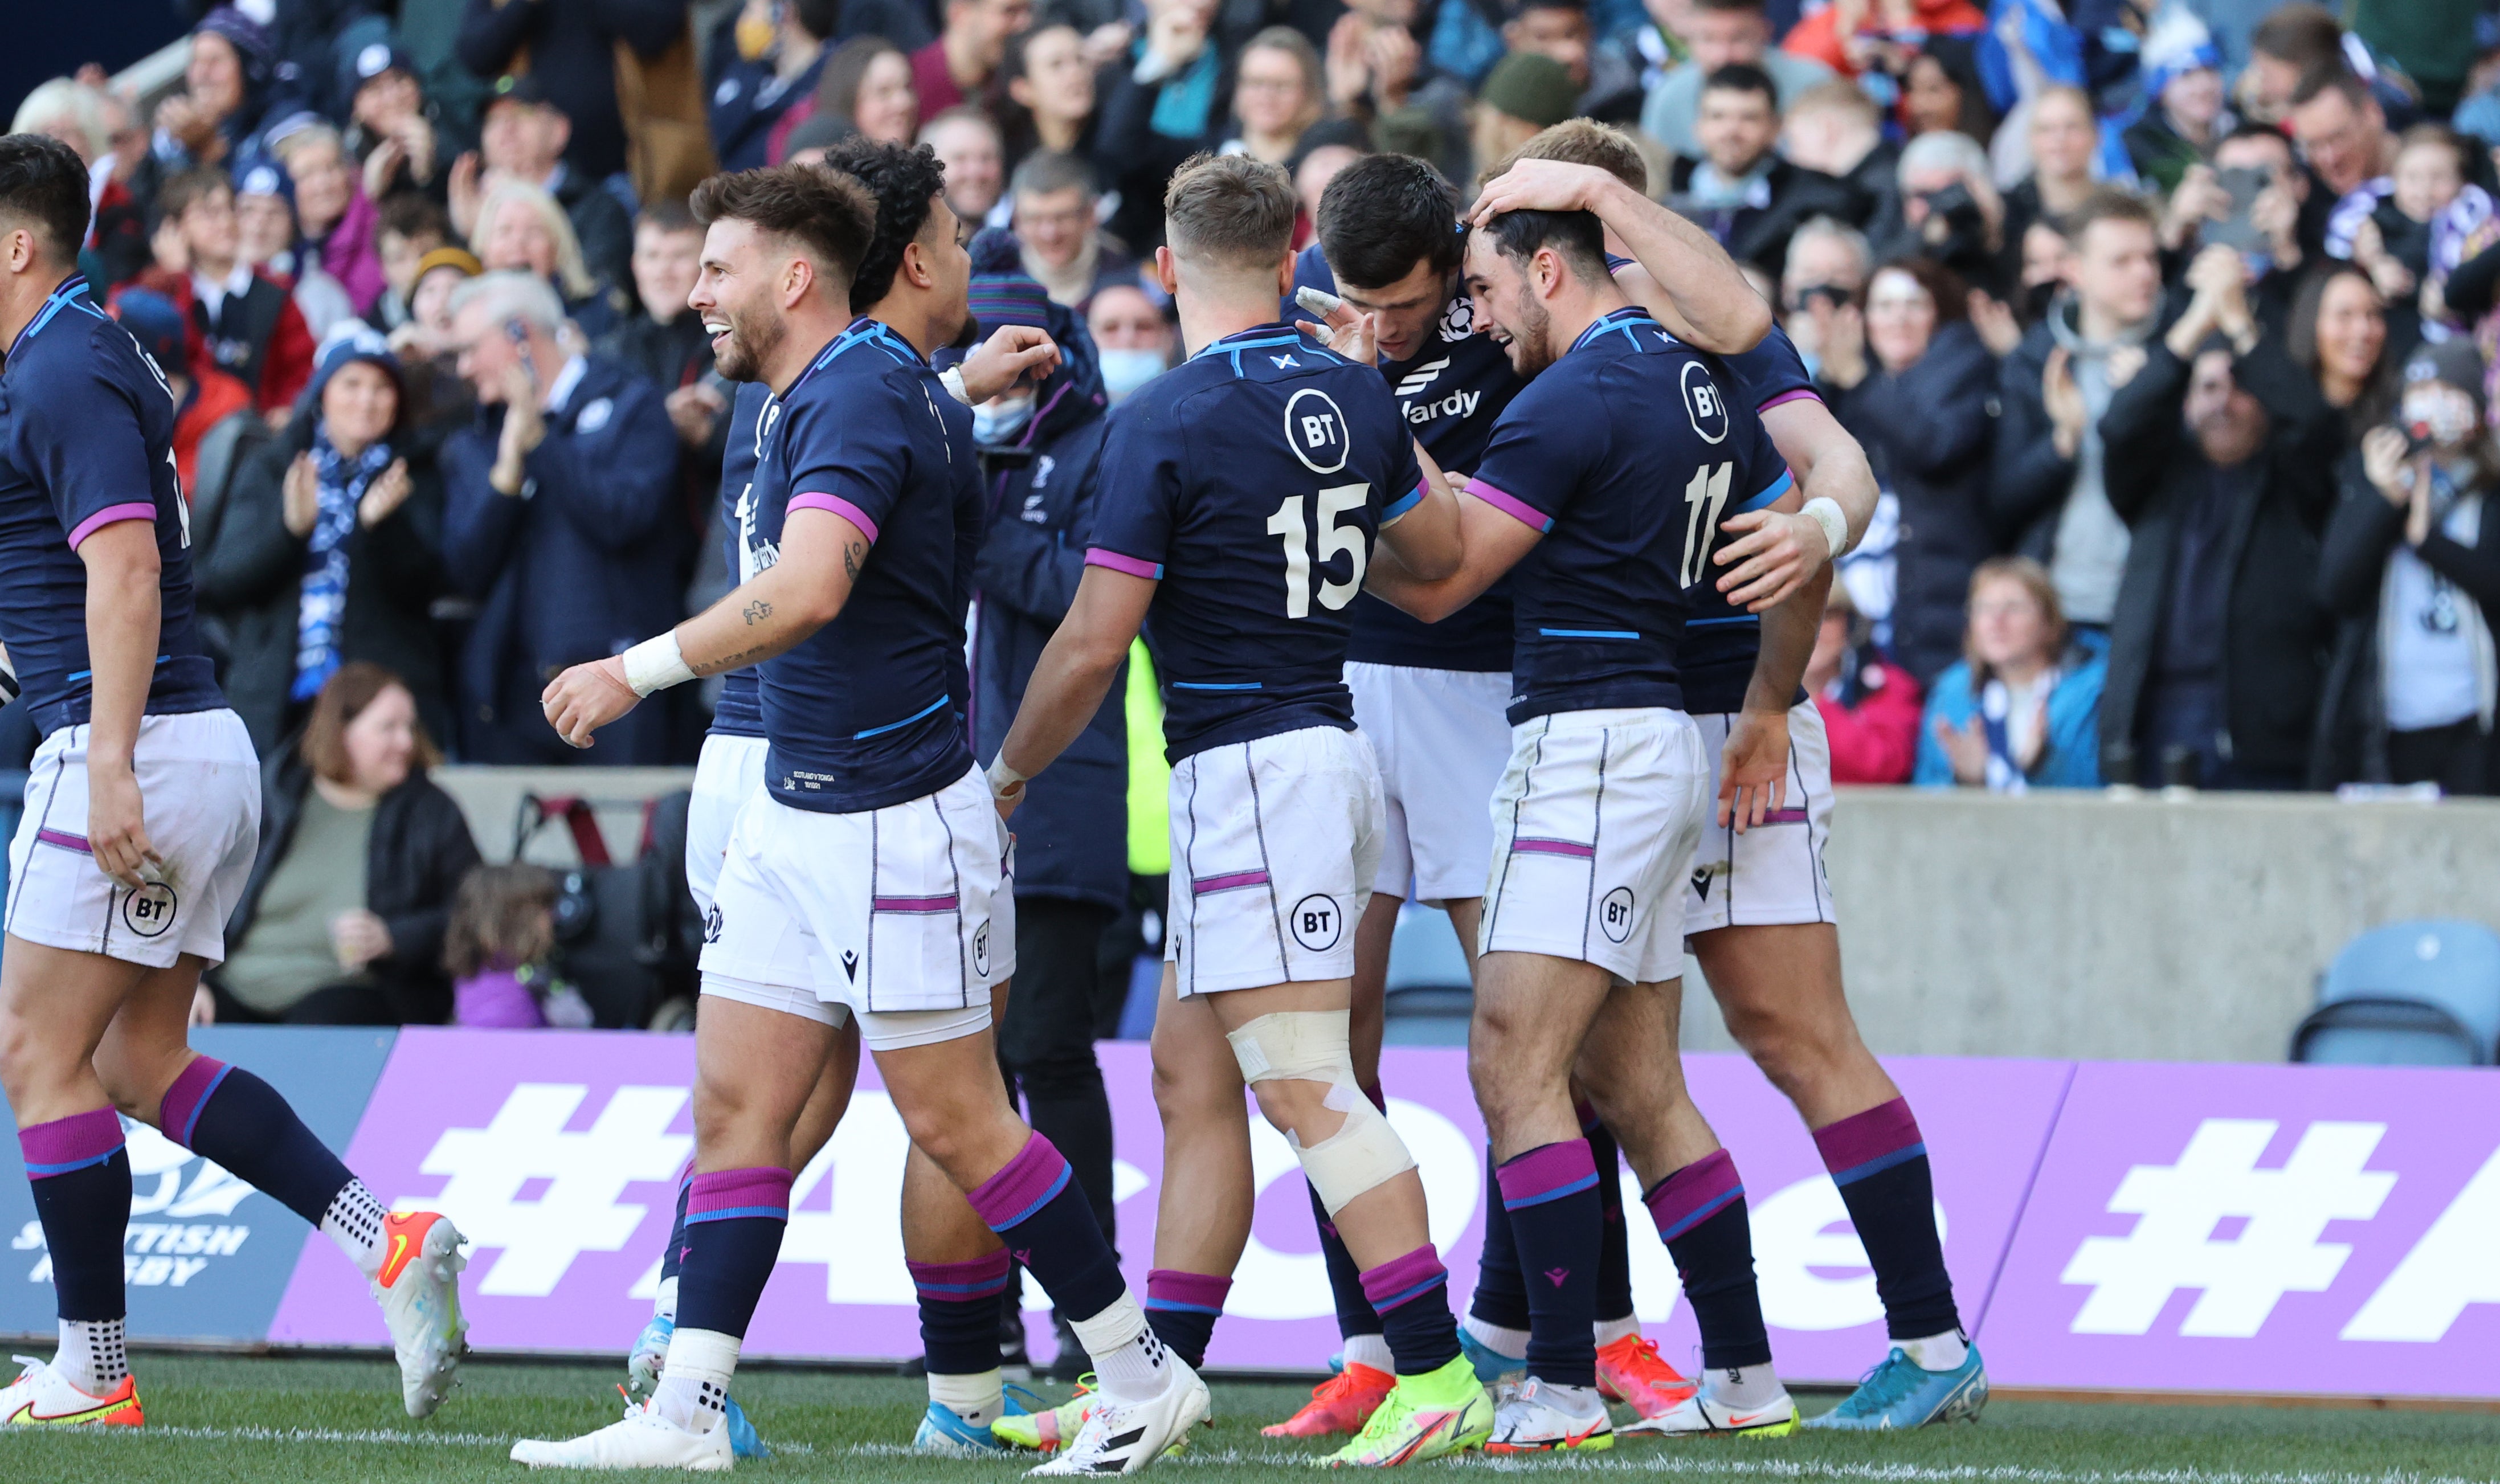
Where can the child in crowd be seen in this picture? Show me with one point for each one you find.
(2409, 228)
(499, 948)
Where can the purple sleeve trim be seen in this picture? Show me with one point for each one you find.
(1792, 394)
(838, 506)
(1136, 567)
(1512, 506)
(113, 514)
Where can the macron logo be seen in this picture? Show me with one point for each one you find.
(1422, 377)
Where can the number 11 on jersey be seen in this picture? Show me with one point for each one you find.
(1703, 499)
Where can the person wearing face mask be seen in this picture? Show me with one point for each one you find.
(1131, 339)
(1041, 446)
(2411, 565)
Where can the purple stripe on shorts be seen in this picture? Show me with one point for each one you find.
(1784, 816)
(1685, 1198)
(719, 1194)
(1547, 1173)
(1530, 844)
(1230, 880)
(836, 505)
(70, 1143)
(1197, 1293)
(1118, 561)
(180, 1112)
(944, 904)
(111, 514)
(1512, 506)
(956, 1282)
(1022, 1186)
(66, 841)
(1401, 1278)
(1862, 1138)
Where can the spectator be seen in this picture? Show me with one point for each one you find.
(2412, 566)
(1379, 77)
(2018, 711)
(1950, 208)
(410, 226)
(1054, 217)
(1132, 339)
(1855, 39)
(960, 65)
(2277, 250)
(2298, 42)
(330, 549)
(438, 398)
(573, 49)
(524, 140)
(667, 346)
(2221, 460)
(2409, 228)
(1050, 85)
(1826, 267)
(1740, 191)
(1320, 162)
(1609, 86)
(811, 138)
(2342, 131)
(1921, 410)
(1524, 94)
(2337, 334)
(1835, 128)
(224, 90)
(500, 951)
(2064, 140)
(868, 85)
(2049, 481)
(1163, 108)
(1716, 34)
(391, 129)
(967, 144)
(215, 430)
(561, 520)
(521, 228)
(336, 220)
(2182, 118)
(267, 240)
(341, 919)
(752, 98)
(242, 322)
(1276, 94)
(101, 128)
(1941, 91)
(1869, 706)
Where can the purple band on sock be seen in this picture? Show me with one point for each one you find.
(762, 1192)
(1401, 1278)
(1547, 1173)
(1025, 1186)
(1688, 1197)
(70, 1143)
(1194, 1293)
(1869, 1142)
(983, 1278)
(180, 1110)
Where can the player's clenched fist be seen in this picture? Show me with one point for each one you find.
(587, 697)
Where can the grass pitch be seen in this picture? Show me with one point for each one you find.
(307, 1421)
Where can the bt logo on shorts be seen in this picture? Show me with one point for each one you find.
(150, 911)
(981, 950)
(1317, 922)
(1615, 914)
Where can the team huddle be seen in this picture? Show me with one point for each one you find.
(1481, 550)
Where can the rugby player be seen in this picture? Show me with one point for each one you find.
(869, 880)
(1760, 913)
(1581, 946)
(1239, 501)
(143, 813)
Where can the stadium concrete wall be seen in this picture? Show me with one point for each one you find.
(2109, 1225)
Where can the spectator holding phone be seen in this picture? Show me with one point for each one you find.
(2250, 198)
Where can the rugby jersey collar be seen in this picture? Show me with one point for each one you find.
(1626, 320)
(70, 290)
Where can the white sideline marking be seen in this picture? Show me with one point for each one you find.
(366, 1436)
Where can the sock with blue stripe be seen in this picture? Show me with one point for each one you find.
(735, 1219)
(1551, 1196)
(959, 1331)
(1497, 1313)
(1412, 1295)
(1880, 1163)
(227, 1115)
(1700, 1215)
(1035, 1207)
(80, 1175)
(1183, 1307)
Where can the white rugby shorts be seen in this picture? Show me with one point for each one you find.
(727, 773)
(199, 785)
(1274, 846)
(903, 916)
(1593, 825)
(1772, 874)
(1441, 740)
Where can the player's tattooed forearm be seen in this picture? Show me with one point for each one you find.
(852, 552)
(758, 611)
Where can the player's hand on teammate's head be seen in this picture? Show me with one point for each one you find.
(1015, 355)
(1539, 185)
(587, 697)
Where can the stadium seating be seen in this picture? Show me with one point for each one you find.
(2425, 993)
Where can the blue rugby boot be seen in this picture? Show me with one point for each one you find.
(1900, 1394)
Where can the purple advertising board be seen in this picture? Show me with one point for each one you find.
(558, 1154)
(2260, 1229)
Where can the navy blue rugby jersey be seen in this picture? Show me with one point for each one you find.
(864, 712)
(740, 711)
(1250, 482)
(1583, 455)
(87, 441)
(1449, 392)
(1720, 638)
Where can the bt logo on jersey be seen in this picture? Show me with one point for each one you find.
(1315, 430)
(1703, 404)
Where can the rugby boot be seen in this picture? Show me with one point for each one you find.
(1901, 1394)
(42, 1397)
(1423, 1417)
(1540, 1417)
(1342, 1403)
(418, 1288)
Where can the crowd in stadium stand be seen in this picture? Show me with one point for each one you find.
(2169, 328)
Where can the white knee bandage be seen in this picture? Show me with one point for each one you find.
(1310, 1046)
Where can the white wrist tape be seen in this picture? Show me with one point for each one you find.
(952, 378)
(1824, 511)
(656, 664)
(1004, 781)
(1311, 1046)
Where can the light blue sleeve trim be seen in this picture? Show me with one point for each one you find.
(1770, 493)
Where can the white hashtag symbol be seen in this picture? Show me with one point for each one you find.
(578, 1211)
(2278, 1251)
